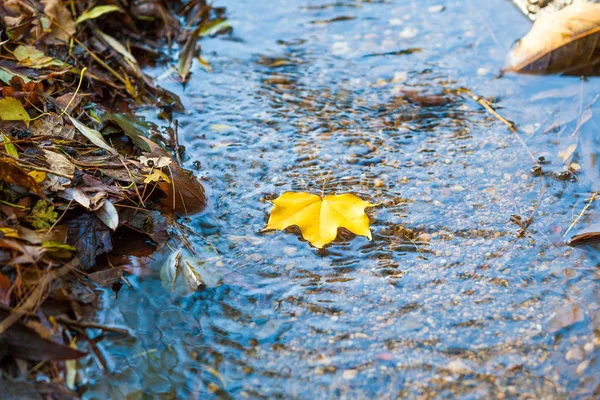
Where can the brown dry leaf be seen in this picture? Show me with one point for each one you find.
(62, 165)
(565, 42)
(60, 15)
(65, 100)
(185, 195)
(13, 175)
(52, 125)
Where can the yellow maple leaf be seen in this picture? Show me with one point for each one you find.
(319, 218)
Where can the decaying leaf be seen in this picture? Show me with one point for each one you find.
(52, 125)
(90, 237)
(62, 165)
(319, 218)
(42, 215)
(565, 42)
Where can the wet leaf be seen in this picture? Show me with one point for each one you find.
(11, 109)
(96, 12)
(133, 126)
(13, 175)
(71, 100)
(60, 15)
(182, 271)
(93, 135)
(108, 214)
(564, 42)
(185, 195)
(90, 237)
(187, 55)
(319, 219)
(588, 235)
(42, 215)
(117, 46)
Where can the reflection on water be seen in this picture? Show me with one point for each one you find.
(447, 300)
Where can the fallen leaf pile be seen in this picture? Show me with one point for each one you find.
(82, 187)
(564, 42)
(319, 218)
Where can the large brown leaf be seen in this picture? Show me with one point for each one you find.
(565, 42)
(185, 195)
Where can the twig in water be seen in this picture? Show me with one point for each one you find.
(581, 213)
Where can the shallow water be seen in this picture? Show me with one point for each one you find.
(448, 299)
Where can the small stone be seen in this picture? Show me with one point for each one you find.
(436, 8)
(589, 347)
(409, 33)
(582, 367)
(574, 354)
(289, 250)
(424, 237)
(483, 71)
(340, 48)
(395, 21)
(457, 188)
(349, 374)
(401, 76)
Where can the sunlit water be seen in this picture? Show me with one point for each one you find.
(447, 300)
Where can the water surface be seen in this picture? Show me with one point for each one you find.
(452, 297)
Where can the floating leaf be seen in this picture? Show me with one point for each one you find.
(564, 42)
(191, 272)
(319, 218)
(93, 135)
(96, 12)
(11, 109)
(187, 55)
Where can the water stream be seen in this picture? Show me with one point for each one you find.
(448, 299)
